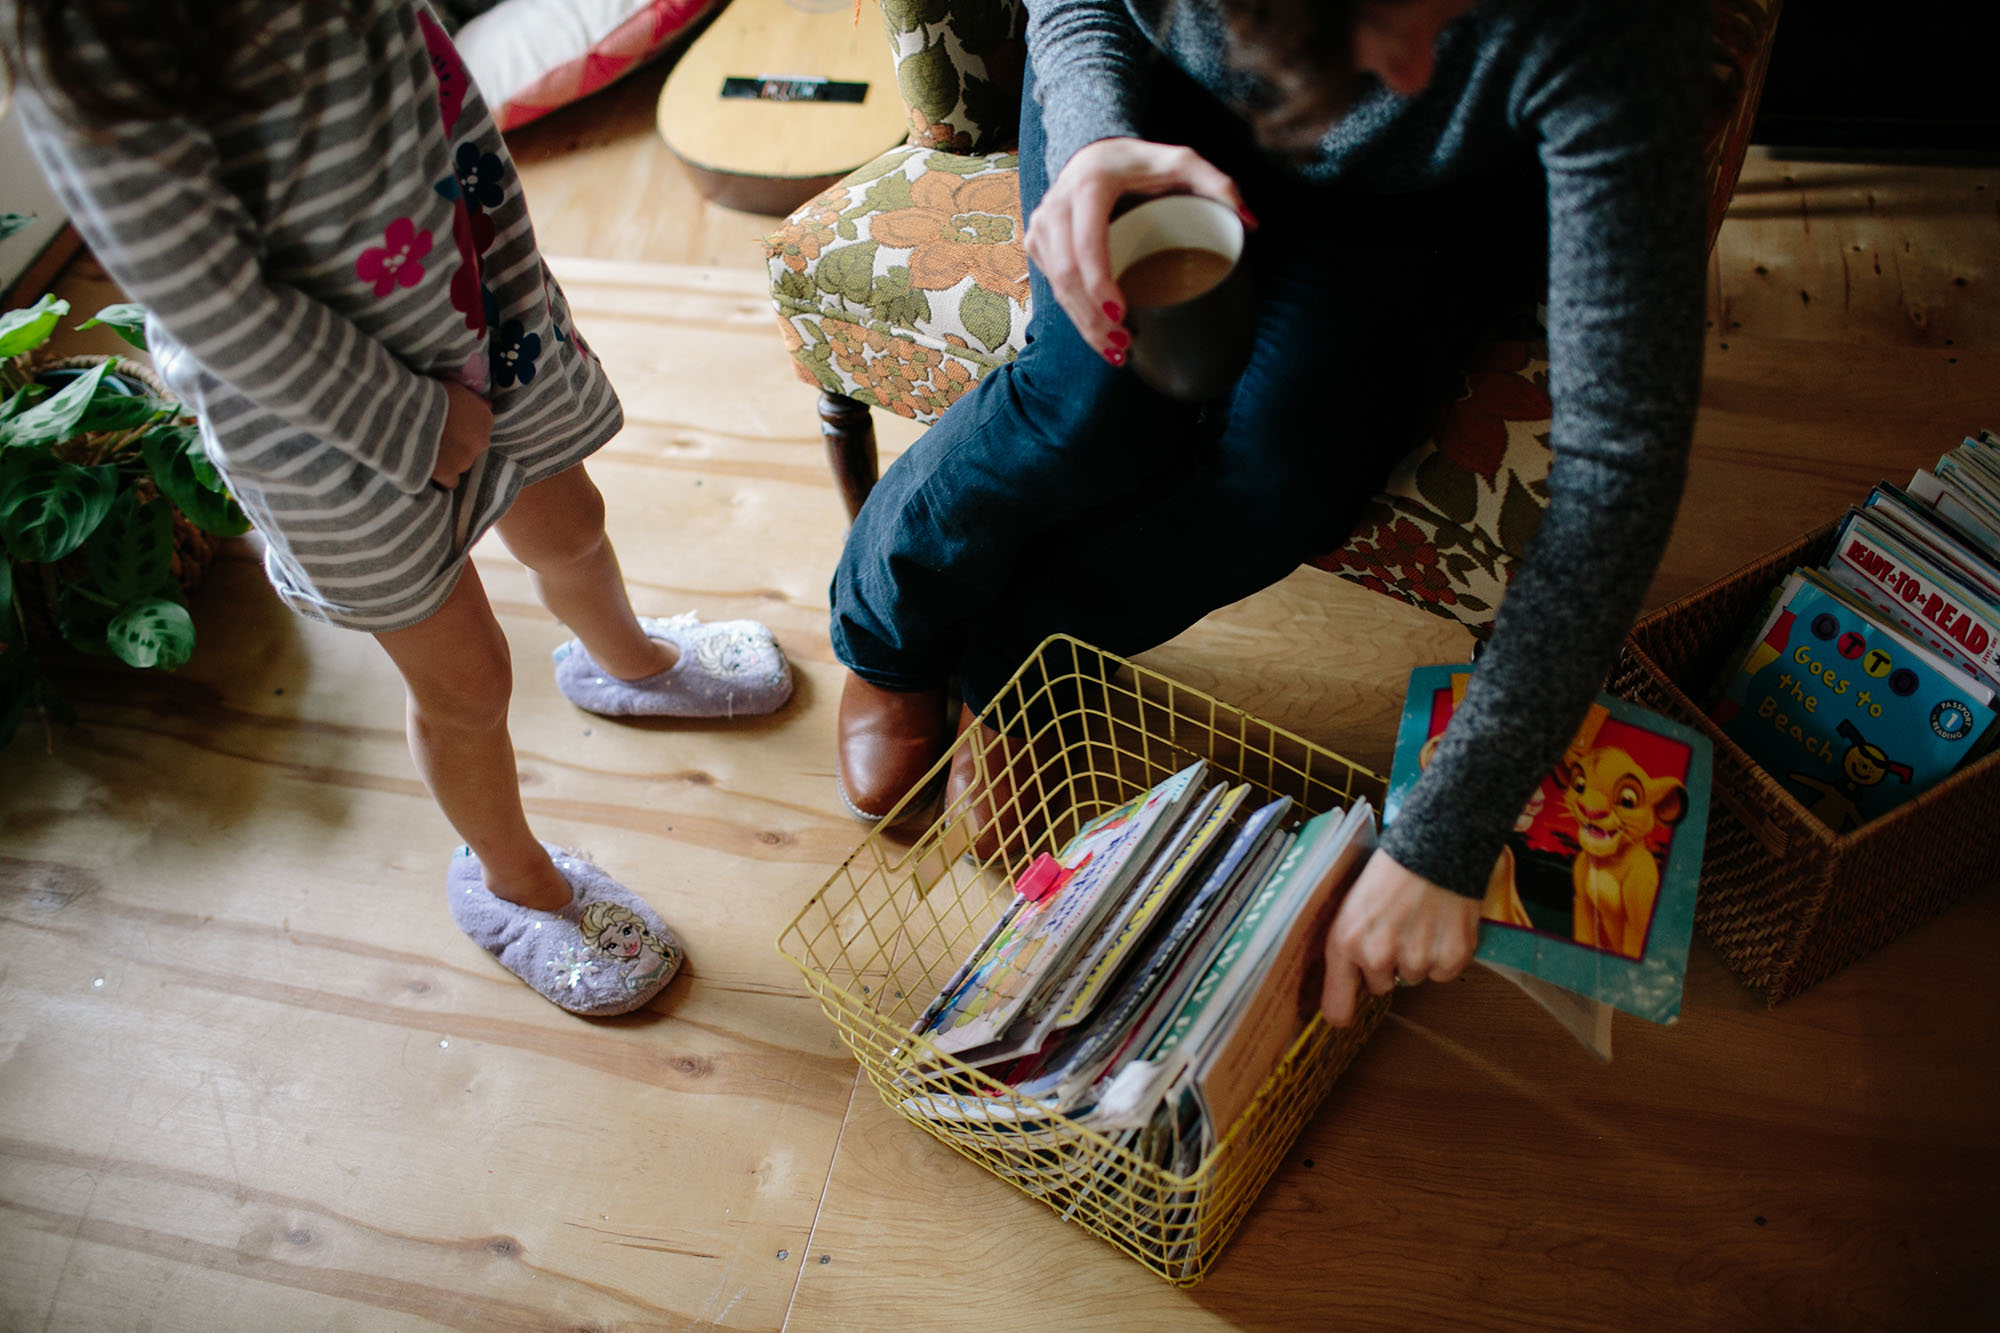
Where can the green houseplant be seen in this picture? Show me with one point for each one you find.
(103, 487)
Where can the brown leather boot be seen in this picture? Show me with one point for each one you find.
(888, 740)
(992, 814)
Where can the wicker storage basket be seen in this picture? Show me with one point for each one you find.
(879, 939)
(1783, 900)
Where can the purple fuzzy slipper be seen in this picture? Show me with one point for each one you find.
(606, 953)
(731, 668)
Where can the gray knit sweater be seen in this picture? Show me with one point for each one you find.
(1607, 93)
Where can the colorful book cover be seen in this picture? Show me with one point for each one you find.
(1150, 899)
(1843, 713)
(1934, 607)
(1015, 961)
(1935, 536)
(1595, 889)
(1248, 949)
(1153, 985)
(1281, 988)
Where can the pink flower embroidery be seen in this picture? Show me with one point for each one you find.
(452, 80)
(398, 261)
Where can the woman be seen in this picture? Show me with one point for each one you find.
(1412, 168)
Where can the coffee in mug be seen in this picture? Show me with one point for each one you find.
(1168, 277)
(1177, 262)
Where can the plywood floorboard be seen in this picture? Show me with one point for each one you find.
(252, 1077)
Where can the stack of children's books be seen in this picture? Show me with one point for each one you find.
(1871, 678)
(1146, 980)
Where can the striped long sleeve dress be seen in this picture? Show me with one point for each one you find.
(313, 270)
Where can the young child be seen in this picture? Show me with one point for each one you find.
(341, 280)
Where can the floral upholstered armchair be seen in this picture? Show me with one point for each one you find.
(902, 285)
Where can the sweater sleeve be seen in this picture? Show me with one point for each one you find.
(148, 199)
(1619, 144)
(1089, 59)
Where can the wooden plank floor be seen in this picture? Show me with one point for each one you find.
(251, 1076)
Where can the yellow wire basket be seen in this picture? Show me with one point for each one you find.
(1079, 732)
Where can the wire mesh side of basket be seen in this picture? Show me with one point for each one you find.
(1076, 732)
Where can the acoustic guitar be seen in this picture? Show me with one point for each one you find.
(778, 99)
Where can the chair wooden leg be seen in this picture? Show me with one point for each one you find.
(849, 433)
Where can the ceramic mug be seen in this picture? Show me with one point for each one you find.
(1188, 302)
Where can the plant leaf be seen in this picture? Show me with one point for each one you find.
(54, 420)
(181, 469)
(48, 507)
(82, 616)
(24, 398)
(187, 438)
(117, 411)
(132, 551)
(152, 632)
(6, 604)
(26, 329)
(128, 320)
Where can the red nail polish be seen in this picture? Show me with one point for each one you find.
(1119, 338)
(1114, 355)
(1114, 312)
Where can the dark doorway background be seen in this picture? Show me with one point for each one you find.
(1916, 80)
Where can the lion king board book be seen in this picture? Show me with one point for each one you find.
(1594, 891)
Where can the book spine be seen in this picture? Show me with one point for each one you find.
(1232, 948)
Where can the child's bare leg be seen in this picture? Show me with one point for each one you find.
(456, 667)
(556, 529)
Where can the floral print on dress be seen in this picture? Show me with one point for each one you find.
(472, 233)
(481, 176)
(398, 261)
(449, 70)
(514, 352)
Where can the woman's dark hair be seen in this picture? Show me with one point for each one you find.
(1303, 53)
(175, 57)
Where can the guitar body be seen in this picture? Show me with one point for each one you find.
(778, 99)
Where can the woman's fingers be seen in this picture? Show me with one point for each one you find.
(1096, 306)
(1068, 237)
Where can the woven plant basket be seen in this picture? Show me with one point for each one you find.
(1784, 901)
(194, 550)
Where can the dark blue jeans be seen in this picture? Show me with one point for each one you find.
(1063, 495)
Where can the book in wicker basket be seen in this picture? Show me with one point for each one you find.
(1783, 900)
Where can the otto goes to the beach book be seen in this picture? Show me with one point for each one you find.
(1591, 903)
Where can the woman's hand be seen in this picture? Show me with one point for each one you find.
(468, 430)
(1393, 926)
(1066, 238)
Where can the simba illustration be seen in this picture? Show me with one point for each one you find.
(617, 931)
(1616, 805)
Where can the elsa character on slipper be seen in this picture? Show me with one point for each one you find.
(618, 931)
(342, 282)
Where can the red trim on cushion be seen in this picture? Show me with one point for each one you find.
(638, 39)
